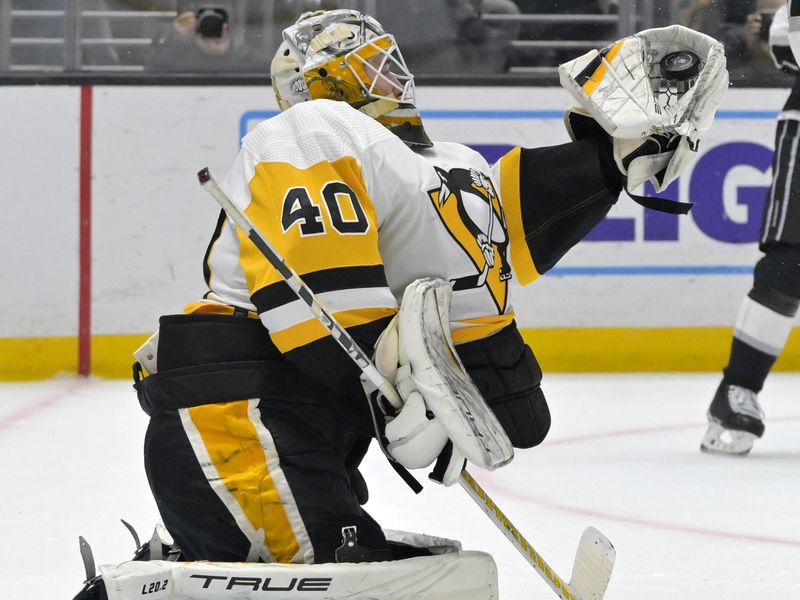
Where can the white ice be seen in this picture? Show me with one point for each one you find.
(622, 456)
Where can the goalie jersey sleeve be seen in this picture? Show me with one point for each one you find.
(301, 183)
(553, 197)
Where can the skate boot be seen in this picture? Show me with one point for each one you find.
(159, 547)
(735, 420)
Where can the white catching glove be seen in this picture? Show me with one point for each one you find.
(653, 102)
(441, 404)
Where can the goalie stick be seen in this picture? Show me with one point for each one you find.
(594, 559)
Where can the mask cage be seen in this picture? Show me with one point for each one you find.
(380, 70)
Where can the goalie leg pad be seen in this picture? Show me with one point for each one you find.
(453, 574)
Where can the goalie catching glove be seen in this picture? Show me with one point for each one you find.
(654, 93)
(443, 415)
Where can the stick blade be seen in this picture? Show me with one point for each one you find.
(594, 562)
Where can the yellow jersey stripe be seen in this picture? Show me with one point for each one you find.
(312, 330)
(469, 330)
(209, 307)
(521, 259)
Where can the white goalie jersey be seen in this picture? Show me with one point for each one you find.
(358, 215)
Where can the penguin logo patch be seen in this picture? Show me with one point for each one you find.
(470, 210)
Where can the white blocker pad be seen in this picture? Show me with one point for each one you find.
(462, 575)
(623, 89)
(441, 379)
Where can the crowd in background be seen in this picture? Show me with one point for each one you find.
(437, 37)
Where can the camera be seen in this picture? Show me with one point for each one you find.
(210, 21)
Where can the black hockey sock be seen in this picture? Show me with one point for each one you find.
(747, 366)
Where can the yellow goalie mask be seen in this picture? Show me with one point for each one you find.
(346, 55)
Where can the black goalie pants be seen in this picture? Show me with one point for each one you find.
(247, 459)
(258, 481)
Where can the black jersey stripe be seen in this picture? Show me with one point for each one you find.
(328, 280)
(214, 237)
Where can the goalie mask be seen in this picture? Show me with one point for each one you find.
(346, 55)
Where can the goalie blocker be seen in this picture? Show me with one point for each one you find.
(444, 414)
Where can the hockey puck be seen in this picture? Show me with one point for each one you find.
(680, 66)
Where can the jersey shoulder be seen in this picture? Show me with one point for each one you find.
(455, 154)
(321, 128)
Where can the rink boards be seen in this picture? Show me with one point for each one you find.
(92, 266)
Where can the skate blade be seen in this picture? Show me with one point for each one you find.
(730, 442)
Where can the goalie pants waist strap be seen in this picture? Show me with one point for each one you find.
(207, 359)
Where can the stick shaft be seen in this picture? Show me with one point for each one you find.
(482, 499)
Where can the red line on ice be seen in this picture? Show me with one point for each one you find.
(744, 537)
(632, 520)
(37, 406)
(643, 430)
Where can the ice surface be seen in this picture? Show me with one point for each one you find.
(622, 456)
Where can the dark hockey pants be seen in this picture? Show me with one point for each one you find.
(246, 457)
(296, 478)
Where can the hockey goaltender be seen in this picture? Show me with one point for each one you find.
(259, 419)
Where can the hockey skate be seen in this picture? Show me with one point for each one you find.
(159, 547)
(735, 420)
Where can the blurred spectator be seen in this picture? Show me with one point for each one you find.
(608, 7)
(742, 27)
(139, 30)
(484, 47)
(449, 36)
(200, 40)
